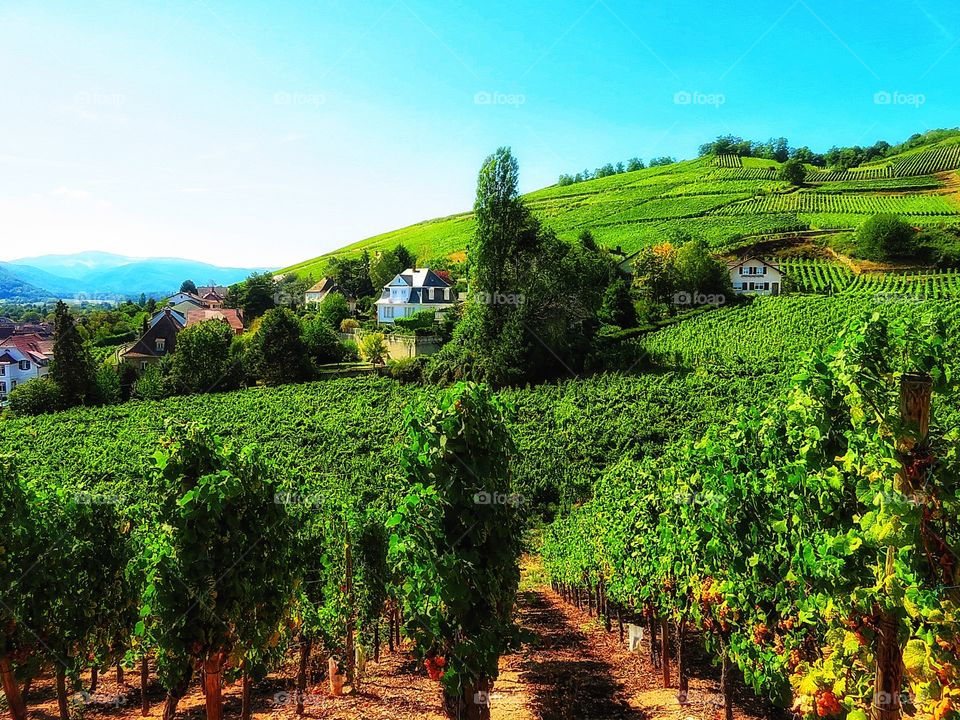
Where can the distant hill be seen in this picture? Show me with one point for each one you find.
(728, 200)
(15, 289)
(99, 274)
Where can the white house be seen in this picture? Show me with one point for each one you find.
(755, 276)
(22, 358)
(413, 290)
(319, 292)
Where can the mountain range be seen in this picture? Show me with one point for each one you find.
(104, 275)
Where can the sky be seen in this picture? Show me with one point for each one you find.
(266, 133)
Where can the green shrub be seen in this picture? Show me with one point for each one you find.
(884, 236)
(422, 320)
(373, 348)
(350, 351)
(34, 397)
(407, 369)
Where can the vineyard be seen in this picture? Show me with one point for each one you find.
(725, 199)
(729, 161)
(821, 276)
(844, 204)
(772, 334)
(925, 163)
(812, 540)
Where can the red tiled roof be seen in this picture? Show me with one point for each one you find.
(231, 316)
(31, 344)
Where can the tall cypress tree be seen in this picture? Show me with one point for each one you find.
(72, 368)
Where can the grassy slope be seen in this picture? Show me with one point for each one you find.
(719, 204)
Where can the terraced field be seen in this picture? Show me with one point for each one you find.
(824, 276)
(728, 201)
(844, 204)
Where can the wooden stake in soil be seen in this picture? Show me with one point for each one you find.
(144, 682)
(94, 680)
(350, 650)
(665, 651)
(726, 685)
(306, 645)
(62, 693)
(18, 709)
(211, 685)
(119, 674)
(683, 681)
(245, 708)
(654, 647)
(620, 621)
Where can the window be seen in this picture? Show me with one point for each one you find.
(3, 387)
(143, 364)
(388, 312)
(24, 364)
(161, 344)
(13, 384)
(3, 370)
(438, 294)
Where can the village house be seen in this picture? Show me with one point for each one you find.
(411, 291)
(755, 276)
(319, 292)
(228, 315)
(158, 340)
(212, 296)
(22, 358)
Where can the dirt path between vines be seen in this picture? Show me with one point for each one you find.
(573, 669)
(569, 668)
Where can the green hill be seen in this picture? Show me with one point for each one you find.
(730, 201)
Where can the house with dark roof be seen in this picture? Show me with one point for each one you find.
(158, 340)
(411, 291)
(755, 276)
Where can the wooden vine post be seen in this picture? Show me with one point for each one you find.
(61, 682)
(18, 708)
(245, 699)
(916, 390)
(212, 685)
(350, 644)
(306, 645)
(665, 651)
(144, 681)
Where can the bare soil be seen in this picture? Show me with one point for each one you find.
(569, 668)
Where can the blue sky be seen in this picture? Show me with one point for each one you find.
(262, 134)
